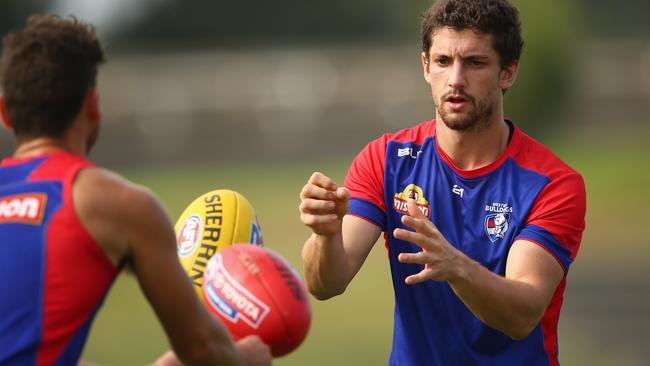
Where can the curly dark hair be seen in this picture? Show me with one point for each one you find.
(495, 17)
(47, 68)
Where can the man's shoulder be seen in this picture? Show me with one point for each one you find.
(535, 156)
(112, 209)
(104, 192)
(109, 183)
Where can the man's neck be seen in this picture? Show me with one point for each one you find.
(470, 150)
(45, 145)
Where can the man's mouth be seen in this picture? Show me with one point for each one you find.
(456, 99)
(456, 102)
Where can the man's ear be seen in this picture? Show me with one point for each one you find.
(508, 75)
(4, 116)
(425, 67)
(91, 105)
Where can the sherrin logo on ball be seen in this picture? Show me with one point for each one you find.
(189, 235)
(254, 291)
(210, 223)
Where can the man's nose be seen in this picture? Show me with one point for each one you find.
(457, 78)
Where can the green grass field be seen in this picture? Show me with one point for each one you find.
(355, 329)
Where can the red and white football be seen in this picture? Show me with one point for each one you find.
(253, 290)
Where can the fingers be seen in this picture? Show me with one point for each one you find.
(342, 194)
(320, 207)
(424, 235)
(318, 201)
(431, 271)
(313, 191)
(253, 343)
(342, 201)
(323, 204)
(254, 351)
(319, 186)
(413, 209)
(321, 196)
(169, 358)
(419, 277)
(318, 220)
(407, 235)
(321, 180)
(250, 339)
(416, 258)
(434, 255)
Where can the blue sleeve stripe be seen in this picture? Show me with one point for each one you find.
(368, 210)
(546, 239)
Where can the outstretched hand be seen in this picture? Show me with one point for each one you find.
(440, 259)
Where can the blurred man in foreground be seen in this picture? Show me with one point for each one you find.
(481, 221)
(67, 227)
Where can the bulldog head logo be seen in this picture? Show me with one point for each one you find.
(496, 226)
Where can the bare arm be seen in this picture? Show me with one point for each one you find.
(513, 304)
(130, 224)
(168, 289)
(340, 243)
(330, 263)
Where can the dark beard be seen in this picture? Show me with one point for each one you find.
(477, 120)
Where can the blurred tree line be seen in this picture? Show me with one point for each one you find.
(552, 29)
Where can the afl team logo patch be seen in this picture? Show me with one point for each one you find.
(27, 208)
(189, 235)
(496, 225)
(228, 297)
(415, 193)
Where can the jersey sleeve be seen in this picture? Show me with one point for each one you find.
(557, 219)
(365, 181)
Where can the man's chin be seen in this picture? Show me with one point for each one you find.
(458, 121)
(460, 126)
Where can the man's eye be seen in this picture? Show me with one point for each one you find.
(443, 61)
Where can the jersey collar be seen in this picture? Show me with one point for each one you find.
(511, 149)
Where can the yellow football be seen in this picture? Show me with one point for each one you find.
(213, 221)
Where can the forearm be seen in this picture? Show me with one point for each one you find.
(510, 306)
(208, 343)
(325, 265)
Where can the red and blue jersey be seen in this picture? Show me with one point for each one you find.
(527, 193)
(54, 274)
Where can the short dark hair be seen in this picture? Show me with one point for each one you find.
(495, 17)
(47, 68)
